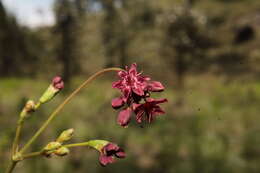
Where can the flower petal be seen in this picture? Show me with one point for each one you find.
(139, 116)
(117, 102)
(133, 70)
(156, 101)
(124, 117)
(155, 86)
(122, 74)
(120, 153)
(111, 147)
(138, 90)
(104, 160)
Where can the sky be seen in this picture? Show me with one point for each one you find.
(32, 13)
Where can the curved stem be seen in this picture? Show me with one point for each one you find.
(59, 108)
(11, 167)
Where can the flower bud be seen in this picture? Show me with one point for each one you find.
(62, 151)
(56, 85)
(28, 108)
(52, 146)
(65, 136)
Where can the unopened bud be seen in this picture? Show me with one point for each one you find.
(62, 151)
(28, 108)
(65, 135)
(56, 85)
(52, 146)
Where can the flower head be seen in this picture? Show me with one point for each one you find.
(109, 152)
(136, 88)
(131, 82)
(148, 110)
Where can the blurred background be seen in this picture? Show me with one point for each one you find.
(206, 53)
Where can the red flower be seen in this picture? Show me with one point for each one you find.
(58, 83)
(148, 110)
(131, 82)
(136, 88)
(109, 152)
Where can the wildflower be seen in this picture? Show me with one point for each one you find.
(136, 88)
(148, 110)
(109, 152)
(131, 82)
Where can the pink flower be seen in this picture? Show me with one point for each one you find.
(131, 82)
(136, 88)
(109, 152)
(58, 83)
(148, 110)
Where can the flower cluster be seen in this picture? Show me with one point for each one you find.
(108, 151)
(136, 92)
(55, 147)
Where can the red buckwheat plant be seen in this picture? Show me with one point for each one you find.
(136, 90)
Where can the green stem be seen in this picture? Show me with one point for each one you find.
(59, 108)
(77, 145)
(11, 167)
(17, 136)
(33, 154)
